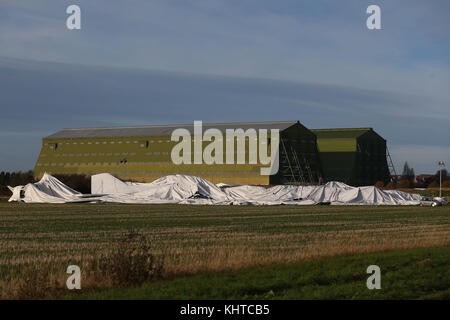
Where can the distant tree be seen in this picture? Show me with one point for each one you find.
(408, 173)
(429, 180)
(405, 169)
(21, 178)
(444, 175)
(14, 179)
(7, 178)
(433, 181)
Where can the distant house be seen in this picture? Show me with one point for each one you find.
(422, 179)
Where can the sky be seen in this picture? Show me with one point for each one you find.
(163, 61)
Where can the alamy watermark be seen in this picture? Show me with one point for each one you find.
(73, 22)
(230, 148)
(74, 280)
(374, 281)
(373, 22)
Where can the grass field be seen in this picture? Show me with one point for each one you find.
(38, 242)
(405, 274)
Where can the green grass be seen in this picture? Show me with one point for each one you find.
(405, 274)
(42, 218)
(198, 240)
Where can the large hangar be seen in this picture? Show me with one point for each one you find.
(355, 156)
(143, 153)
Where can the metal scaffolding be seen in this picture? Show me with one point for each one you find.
(390, 163)
(292, 170)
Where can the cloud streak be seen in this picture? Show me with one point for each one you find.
(65, 95)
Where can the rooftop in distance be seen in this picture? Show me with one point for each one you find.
(162, 130)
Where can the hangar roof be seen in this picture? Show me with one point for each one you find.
(163, 130)
(342, 139)
(340, 132)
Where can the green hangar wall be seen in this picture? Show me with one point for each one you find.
(144, 154)
(356, 156)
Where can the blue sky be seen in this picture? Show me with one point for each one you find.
(161, 61)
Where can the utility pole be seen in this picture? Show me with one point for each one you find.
(441, 166)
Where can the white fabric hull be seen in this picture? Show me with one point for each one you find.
(184, 189)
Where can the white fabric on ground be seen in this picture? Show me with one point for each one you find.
(47, 190)
(195, 190)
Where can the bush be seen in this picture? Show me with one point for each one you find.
(132, 262)
(391, 185)
(379, 184)
(434, 184)
(404, 183)
(4, 191)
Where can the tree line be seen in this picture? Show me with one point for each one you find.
(14, 179)
(408, 179)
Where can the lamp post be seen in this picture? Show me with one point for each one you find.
(441, 166)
